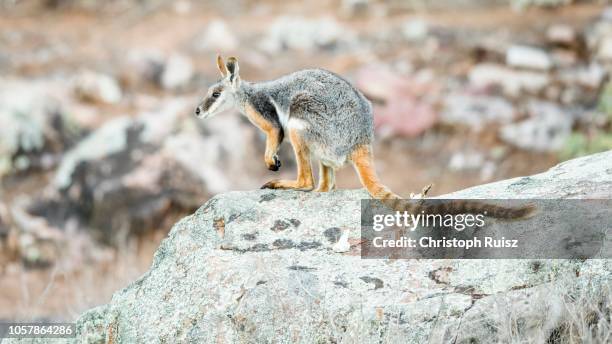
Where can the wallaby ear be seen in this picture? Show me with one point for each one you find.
(232, 67)
(221, 66)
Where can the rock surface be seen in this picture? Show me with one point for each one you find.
(251, 266)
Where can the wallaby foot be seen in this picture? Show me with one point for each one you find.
(327, 180)
(288, 185)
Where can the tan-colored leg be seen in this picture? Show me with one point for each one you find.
(272, 144)
(327, 178)
(304, 181)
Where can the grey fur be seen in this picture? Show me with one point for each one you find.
(333, 117)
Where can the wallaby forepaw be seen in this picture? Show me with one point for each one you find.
(276, 165)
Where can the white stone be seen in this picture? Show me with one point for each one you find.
(591, 76)
(469, 160)
(513, 82)
(476, 111)
(546, 130)
(561, 33)
(605, 49)
(217, 37)
(177, 73)
(415, 30)
(528, 57)
(304, 34)
(97, 87)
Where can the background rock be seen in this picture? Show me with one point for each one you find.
(305, 34)
(251, 266)
(528, 57)
(512, 82)
(562, 34)
(216, 38)
(178, 72)
(126, 169)
(97, 87)
(143, 170)
(32, 122)
(476, 111)
(545, 130)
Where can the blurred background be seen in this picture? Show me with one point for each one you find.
(100, 152)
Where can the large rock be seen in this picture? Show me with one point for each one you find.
(259, 266)
(146, 169)
(138, 169)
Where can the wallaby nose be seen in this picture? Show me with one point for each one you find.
(197, 111)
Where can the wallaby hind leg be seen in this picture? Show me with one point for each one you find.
(327, 178)
(364, 165)
(304, 181)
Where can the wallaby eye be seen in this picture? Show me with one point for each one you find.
(216, 94)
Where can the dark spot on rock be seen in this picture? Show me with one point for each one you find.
(261, 282)
(267, 197)
(535, 266)
(342, 284)
(440, 275)
(307, 245)
(465, 289)
(259, 248)
(283, 243)
(250, 236)
(232, 217)
(333, 234)
(522, 182)
(478, 296)
(208, 206)
(378, 283)
(280, 225)
(300, 268)
(559, 334)
(520, 287)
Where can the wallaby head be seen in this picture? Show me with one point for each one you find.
(222, 95)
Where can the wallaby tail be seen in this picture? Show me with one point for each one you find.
(363, 162)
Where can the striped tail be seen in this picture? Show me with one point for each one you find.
(363, 163)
